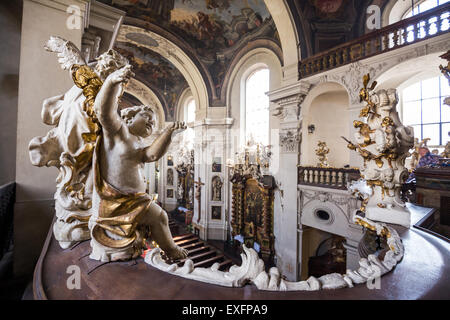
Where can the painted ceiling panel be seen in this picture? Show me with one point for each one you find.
(157, 73)
(215, 29)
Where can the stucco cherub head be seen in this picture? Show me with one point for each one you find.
(109, 62)
(139, 120)
(388, 174)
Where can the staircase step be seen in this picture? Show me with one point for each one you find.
(187, 241)
(191, 246)
(225, 265)
(209, 262)
(200, 256)
(183, 236)
(199, 249)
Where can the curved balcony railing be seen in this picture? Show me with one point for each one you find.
(335, 178)
(412, 30)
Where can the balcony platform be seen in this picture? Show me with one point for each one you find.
(424, 273)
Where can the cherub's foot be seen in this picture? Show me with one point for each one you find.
(176, 253)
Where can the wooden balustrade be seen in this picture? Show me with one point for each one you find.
(412, 30)
(335, 178)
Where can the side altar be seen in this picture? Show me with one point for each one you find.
(252, 207)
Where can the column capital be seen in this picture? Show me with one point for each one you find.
(286, 101)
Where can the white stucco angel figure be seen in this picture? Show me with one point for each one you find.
(100, 155)
(65, 148)
(384, 143)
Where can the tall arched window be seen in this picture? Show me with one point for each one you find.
(189, 118)
(257, 106)
(425, 111)
(190, 111)
(422, 6)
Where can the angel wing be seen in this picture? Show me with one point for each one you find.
(68, 54)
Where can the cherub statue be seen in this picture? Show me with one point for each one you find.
(322, 152)
(124, 215)
(101, 193)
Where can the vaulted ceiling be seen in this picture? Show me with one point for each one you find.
(215, 33)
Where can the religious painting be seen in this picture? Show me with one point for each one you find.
(169, 161)
(169, 193)
(216, 212)
(330, 9)
(216, 184)
(217, 164)
(169, 177)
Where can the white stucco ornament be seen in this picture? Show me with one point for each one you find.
(252, 269)
(384, 143)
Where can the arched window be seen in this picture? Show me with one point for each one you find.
(425, 111)
(257, 106)
(190, 111)
(422, 6)
(189, 118)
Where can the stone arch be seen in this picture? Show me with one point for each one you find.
(146, 96)
(174, 54)
(286, 30)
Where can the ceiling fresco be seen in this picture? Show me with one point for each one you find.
(214, 29)
(157, 73)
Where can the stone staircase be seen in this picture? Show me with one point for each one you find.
(201, 253)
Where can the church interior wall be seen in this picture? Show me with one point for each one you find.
(34, 209)
(328, 112)
(219, 130)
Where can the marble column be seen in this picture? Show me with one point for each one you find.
(285, 105)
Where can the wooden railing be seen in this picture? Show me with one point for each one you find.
(412, 30)
(335, 178)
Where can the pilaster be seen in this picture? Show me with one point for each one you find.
(285, 106)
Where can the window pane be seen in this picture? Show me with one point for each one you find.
(430, 88)
(257, 107)
(412, 92)
(430, 111)
(191, 111)
(417, 133)
(411, 113)
(445, 87)
(427, 5)
(445, 133)
(431, 131)
(445, 109)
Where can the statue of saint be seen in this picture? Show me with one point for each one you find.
(216, 189)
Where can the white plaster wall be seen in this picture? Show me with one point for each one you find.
(328, 113)
(41, 77)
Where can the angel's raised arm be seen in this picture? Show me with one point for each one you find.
(107, 100)
(159, 147)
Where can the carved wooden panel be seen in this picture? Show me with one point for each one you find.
(252, 216)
